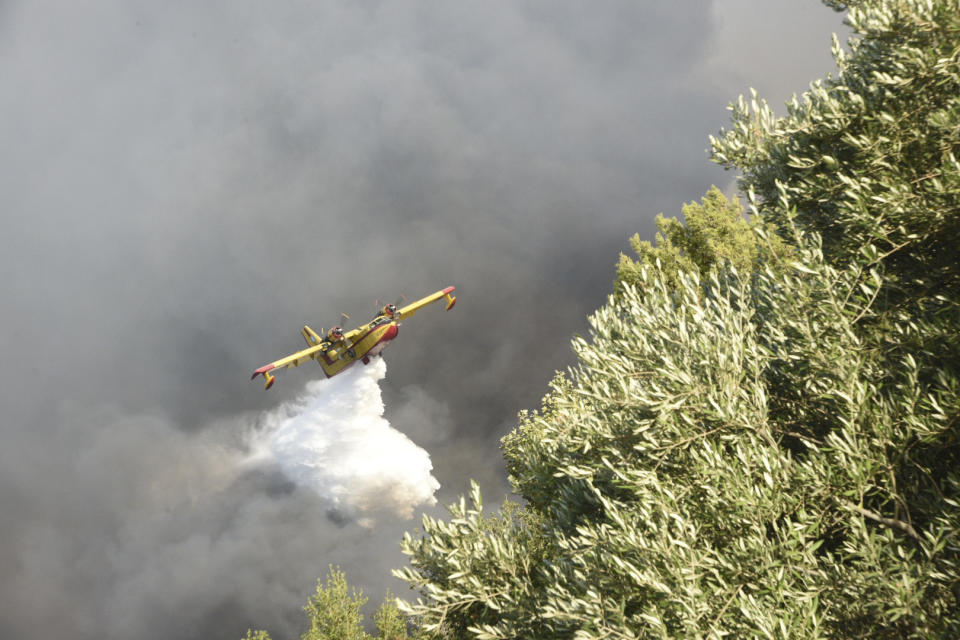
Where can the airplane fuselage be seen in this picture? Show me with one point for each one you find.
(372, 340)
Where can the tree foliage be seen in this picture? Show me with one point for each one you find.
(334, 612)
(870, 158)
(670, 499)
(749, 451)
(712, 231)
(390, 621)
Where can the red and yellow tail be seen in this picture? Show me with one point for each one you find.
(311, 336)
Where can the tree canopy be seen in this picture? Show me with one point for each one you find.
(744, 450)
(334, 613)
(712, 231)
(869, 159)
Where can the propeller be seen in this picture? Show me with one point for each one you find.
(323, 331)
(400, 299)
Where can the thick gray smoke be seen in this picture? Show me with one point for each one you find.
(334, 439)
(247, 508)
(185, 184)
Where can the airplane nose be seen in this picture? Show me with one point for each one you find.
(391, 333)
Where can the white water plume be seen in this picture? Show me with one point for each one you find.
(335, 440)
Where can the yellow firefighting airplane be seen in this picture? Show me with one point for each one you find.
(336, 350)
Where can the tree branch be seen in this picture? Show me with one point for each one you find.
(900, 525)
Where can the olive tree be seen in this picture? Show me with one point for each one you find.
(768, 450)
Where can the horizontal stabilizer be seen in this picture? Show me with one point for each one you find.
(311, 336)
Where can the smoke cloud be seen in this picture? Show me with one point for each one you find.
(335, 440)
(250, 508)
(183, 185)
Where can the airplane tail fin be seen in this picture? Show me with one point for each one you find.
(311, 336)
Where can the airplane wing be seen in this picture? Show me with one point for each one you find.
(411, 309)
(292, 360)
(348, 336)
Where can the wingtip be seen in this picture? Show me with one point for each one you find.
(261, 371)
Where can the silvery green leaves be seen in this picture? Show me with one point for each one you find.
(770, 452)
(869, 156)
(727, 458)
